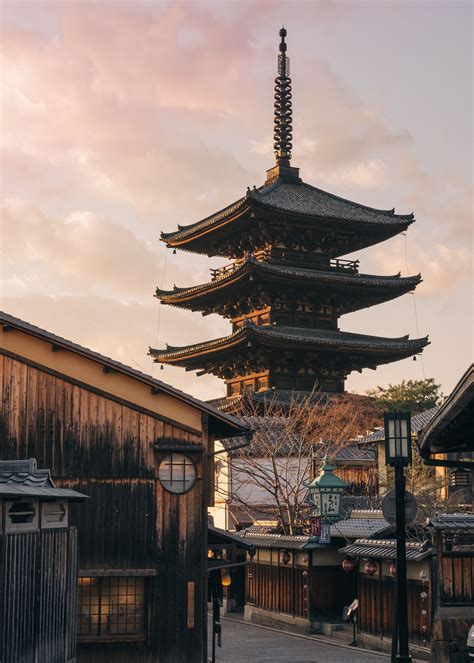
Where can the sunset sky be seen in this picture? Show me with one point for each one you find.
(123, 119)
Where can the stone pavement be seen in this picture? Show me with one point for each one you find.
(247, 643)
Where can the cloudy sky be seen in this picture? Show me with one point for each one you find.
(122, 119)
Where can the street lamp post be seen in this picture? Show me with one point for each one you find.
(398, 455)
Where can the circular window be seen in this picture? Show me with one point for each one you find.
(177, 473)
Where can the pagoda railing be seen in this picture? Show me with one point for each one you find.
(291, 258)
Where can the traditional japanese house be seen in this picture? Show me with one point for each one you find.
(453, 586)
(38, 566)
(297, 583)
(447, 444)
(143, 452)
(374, 564)
(288, 284)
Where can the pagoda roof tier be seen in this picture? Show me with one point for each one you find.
(349, 291)
(281, 206)
(357, 351)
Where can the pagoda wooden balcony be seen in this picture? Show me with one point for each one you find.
(293, 258)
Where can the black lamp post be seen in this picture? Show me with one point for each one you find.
(398, 454)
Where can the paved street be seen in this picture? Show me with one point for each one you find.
(242, 643)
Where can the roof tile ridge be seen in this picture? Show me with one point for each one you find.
(222, 213)
(334, 275)
(387, 212)
(219, 279)
(213, 342)
(333, 334)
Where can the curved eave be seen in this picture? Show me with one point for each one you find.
(293, 338)
(389, 286)
(186, 234)
(382, 222)
(393, 225)
(306, 199)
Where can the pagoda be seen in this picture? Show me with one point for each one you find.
(287, 285)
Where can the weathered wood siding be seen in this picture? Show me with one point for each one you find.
(457, 578)
(37, 598)
(104, 448)
(376, 608)
(277, 588)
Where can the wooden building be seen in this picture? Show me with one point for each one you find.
(375, 561)
(453, 586)
(38, 566)
(288, 285)
(297, 583)
(143, 452)
(447, 444)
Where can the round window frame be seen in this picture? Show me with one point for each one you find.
(170, 455)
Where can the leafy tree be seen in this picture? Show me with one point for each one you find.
(413, 395)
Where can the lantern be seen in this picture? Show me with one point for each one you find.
(393, 569)
(397, 438)
(226, 580)
(285, 557)
(370, 567)
(326, 490)
(348, 565)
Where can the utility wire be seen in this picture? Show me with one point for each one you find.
(414, 306)
(159, 305)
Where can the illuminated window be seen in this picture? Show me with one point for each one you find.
(177, 473)
(111, 606)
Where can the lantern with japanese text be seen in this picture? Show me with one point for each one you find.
(326, 490)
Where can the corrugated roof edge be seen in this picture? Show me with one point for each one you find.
(22, 325)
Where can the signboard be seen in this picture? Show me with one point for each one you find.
(389, 511)
(327, 504)
(325, 536)
(315, 525)
(330, 504)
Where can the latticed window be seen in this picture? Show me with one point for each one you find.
(177, 473)
(111, 606)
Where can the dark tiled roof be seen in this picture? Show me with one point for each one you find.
(453, 522)
(354, 452)
(353, 528)
(300, 199)
(418, 422)
(454, 420)
(24, 479)
(282, 541)
(307, 200)
(287, 336)
(10, 321)
(313, 276)
(385, 549)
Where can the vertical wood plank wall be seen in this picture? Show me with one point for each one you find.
(104, 448)
(457, 578)
(376, 608)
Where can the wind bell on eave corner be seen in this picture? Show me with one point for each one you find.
(283, 117)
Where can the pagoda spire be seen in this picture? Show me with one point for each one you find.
(283, 119)
(283, 116)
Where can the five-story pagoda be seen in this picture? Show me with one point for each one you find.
(287, 285)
